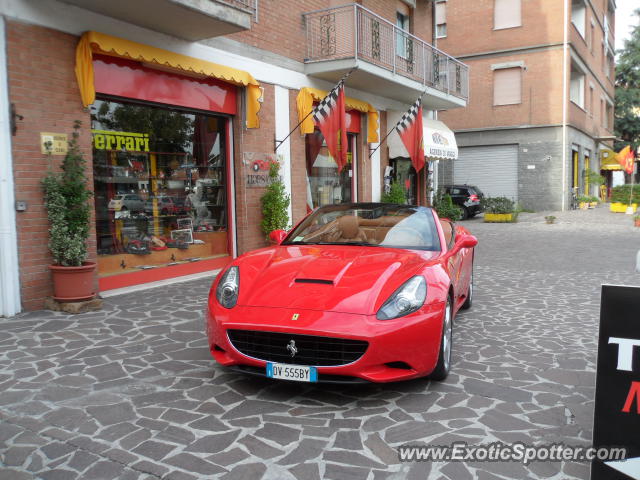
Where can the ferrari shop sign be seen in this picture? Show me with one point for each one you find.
(617, 407)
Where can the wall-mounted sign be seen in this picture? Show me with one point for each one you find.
(129, 141)
(617, 408)
(256, 168)
(53, 143)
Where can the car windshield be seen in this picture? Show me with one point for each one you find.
(118, 197)
(379, 224)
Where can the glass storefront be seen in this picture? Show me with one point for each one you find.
(405, 175)
(325, 185)
(160, 186)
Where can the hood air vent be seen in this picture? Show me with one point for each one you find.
(314, 280)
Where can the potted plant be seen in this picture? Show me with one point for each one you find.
(550, 219)
(275, 203)
(499, 210)
(66, 200)
(583, 202)
(636, 220)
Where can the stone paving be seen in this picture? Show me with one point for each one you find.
(131, 392)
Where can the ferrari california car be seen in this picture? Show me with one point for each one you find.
(355, 292)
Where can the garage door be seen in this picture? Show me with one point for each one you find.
(494, 170)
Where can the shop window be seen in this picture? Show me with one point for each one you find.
(325, 185)
(160, 185)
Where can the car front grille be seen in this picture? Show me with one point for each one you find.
(309, 349)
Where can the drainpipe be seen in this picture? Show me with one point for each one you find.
(9, 276)
(565, 107)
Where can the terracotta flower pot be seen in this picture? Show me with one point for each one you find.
(73, 284)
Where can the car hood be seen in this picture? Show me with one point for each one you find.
(349, 279)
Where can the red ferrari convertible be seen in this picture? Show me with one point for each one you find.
(355, 292)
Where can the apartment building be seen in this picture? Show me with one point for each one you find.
(542, 93)
(184, 105)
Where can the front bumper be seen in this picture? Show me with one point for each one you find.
(398, 349)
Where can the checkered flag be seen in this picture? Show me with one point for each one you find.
(330, 116)
(411, 133)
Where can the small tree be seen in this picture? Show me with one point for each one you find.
(66, 199)
(275, 203)
(396, 194)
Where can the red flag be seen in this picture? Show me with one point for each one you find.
(331, 118)
(628, 161)
(411, 132)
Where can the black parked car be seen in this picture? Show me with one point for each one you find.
(467, 197)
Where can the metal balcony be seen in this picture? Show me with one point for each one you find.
(189, 19)
(390, 62)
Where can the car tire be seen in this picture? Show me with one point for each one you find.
(469, 300)
(443, 367)
(123, 209)
(465, 213)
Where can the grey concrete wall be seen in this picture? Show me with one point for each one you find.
(539, 162)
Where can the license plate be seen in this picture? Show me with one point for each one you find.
(297, 373)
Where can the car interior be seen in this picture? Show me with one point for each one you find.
(392, 230)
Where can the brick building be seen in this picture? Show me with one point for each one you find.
(541, 108)
(182, 104)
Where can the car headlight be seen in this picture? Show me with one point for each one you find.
(405, 300)
(228, 288)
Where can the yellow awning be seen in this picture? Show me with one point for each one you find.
(95, 42)
(308, 95)
(608, 160)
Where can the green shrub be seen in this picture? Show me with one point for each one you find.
(445, 208)
(275, 203)
(621, 194)
(396, 194)
(498, 205)
(584, 199)
(66, 200)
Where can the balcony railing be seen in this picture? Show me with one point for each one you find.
(353, 31)
(247, 5)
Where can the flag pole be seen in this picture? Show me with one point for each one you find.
(632, 179)
(393, 128)
(280, 142)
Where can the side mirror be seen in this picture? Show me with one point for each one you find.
(467, 241)
(463, 241)
(277, 236)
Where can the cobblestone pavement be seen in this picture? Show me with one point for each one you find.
(132, 393)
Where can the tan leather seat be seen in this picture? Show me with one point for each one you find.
(350, 230)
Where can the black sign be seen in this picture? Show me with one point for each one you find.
(617, 408)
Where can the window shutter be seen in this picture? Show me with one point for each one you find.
(506, 14)
(507, 86)
(441, 13)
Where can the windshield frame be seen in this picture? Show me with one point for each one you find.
(383, 208)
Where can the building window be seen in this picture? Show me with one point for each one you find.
(576, 86)
(507, 14)
(608, 118)
(441, 19)
(160, 185)
(402, 41)
(602, 113)
(592, 38)
(507, 86)
(579, 16)
(591, 101)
